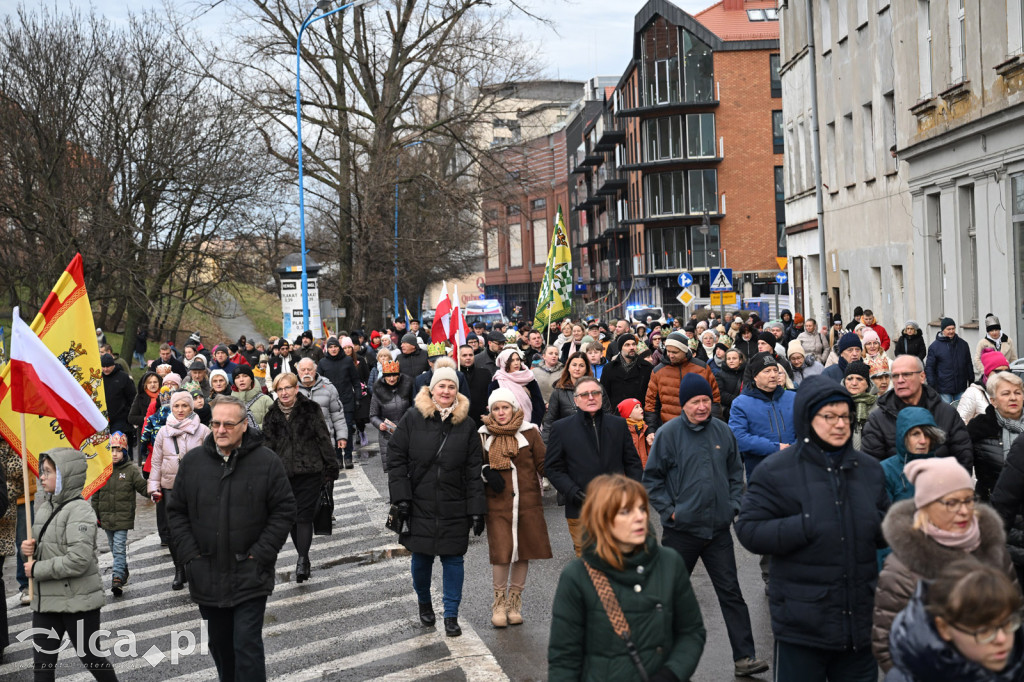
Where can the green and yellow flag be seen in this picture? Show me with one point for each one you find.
(555, 300)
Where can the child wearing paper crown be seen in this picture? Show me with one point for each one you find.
(114, 505)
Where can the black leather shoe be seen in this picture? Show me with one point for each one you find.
(348, 463)
(427, 614)
(302, 570)
(179, 578)
(451, 627)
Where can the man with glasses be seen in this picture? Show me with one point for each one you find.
(816, 508)
(586, 445)
(909, 389)
(230, 513)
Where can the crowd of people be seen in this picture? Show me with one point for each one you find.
(860, 469)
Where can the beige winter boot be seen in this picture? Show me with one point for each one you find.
(515, 607)
(499, 618)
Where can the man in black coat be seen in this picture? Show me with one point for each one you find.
(339, 369)
(412, 360)
(908, 390)
(167, 358)
(625, 376)
(478, 380)
(119, 390)
(494, 342)
(584, 446)
(230, 513)
(816, 508)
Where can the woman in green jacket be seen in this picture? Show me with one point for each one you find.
(650, 584)
(62, 562)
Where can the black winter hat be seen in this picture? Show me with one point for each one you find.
(760, 361)
(307, 334)
(768, 338)
(622, 339)
(244, 369)
(107, 360)
(859, 368)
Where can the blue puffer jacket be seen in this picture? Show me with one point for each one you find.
(949, 367)
(918, 653)
(821, 524)
(896, 484)
(760, 424)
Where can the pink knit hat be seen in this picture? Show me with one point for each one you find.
(991, 359)
(869, 335)
(936, 477)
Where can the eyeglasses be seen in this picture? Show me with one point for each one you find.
(43, 473)
(227, 426)
(831, 419)
(290, 387)
(589, 394)
(988, 635)
(896, 376)
(952, 506)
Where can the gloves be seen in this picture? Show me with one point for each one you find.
(404, 510)
(478, 524)
(494, 480)
(579, 497)
(156, 495)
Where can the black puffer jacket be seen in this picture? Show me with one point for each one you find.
(879, 439)
(435, 465)
(221, 513)
(621, 384)
(119, 390)
(730, 386)
(389, 402)
(991, 447)
(822, 526)
(341, 372)
(302, 441)
(910, 345)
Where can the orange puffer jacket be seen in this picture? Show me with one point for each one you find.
(662, 400)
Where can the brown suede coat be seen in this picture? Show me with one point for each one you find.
(525, 520)
(915, 556)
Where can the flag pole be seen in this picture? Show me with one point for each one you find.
(24, 477)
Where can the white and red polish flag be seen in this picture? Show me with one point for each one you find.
(440, 330)
(459, 329)
(42, 385)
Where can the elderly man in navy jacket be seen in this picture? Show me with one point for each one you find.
(694, 478)
(584, 446)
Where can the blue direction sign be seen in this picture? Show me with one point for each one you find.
(782, 278)
(685, 280)
(721, 280)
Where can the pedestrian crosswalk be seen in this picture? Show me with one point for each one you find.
(356, 619)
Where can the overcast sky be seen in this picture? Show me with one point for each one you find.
(593, 38)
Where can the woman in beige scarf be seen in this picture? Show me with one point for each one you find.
(516, 532)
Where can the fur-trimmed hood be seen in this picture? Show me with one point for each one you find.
(426, 407)
(924, 556)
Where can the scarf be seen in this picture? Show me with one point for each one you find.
(187, 425)
(287, 411)
(505, 446)
(863, 402)
(968, 541)
(516, 382)
(152, 394)
(1011, 425)
(445, 412)
(636, 426)
(997, 343)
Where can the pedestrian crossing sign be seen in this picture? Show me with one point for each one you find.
(721, 279)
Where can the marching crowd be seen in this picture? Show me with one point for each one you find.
(880, 481)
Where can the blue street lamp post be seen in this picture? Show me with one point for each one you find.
(322, 6)
(397, 163)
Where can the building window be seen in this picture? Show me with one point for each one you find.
(666, 248)
(780, 233)
(780, 188)
(957, 42)
(703, 191)
(849, 156)
(700, 136)
(664, 138)
(968, 248)
(515, 246)
(538, 204)
(704, 247)
(1017, 209)
(830, 156)
(862, 12)
(868, 140)
(698, 69)
(1014, 27)
(842, 20)
(511, 210)
(661, 63)
(492, 250)
(664, 194)
(540, 241)
(924, 47)
(889, 132)
(936, 270)
(826, 25)
(773, 62)
(755, 14)
(778, 143)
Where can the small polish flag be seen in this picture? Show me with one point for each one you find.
(459, 329)
(42, 385)
(440, 330)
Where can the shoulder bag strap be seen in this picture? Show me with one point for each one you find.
(615, 615)
(52, 516)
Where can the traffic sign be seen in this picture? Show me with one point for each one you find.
(782, 261)
(782, 278)
(721, 279)
(684, 279)
(728, 298)
(685, 297)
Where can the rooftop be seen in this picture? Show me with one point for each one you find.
(741, 19)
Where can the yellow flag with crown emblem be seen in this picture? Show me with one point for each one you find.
(65, 324)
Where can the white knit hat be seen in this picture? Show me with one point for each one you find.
(442, 374)
(502, 395)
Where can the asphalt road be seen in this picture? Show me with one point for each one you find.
(356, 619)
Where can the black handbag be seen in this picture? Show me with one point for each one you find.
(395, 523)
(323, 514)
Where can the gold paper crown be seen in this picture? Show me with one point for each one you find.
(391, 367)
(436, 350)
